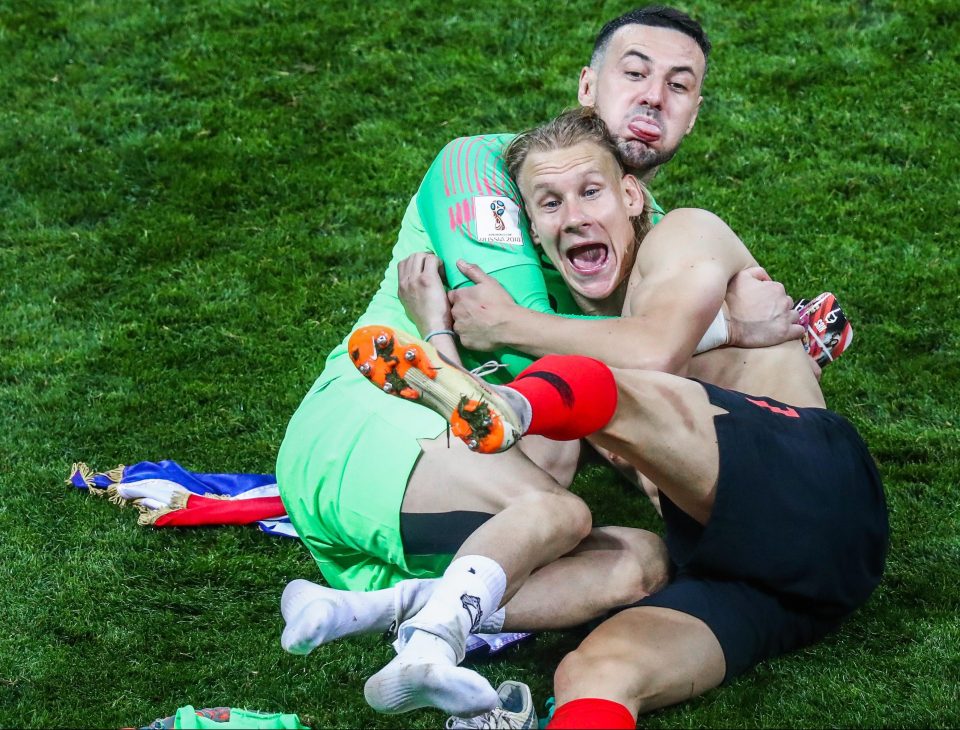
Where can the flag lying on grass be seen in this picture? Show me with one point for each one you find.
(167, 495)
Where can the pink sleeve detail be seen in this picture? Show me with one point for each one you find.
(465, 163)
(458, 163)
(491, 190)
(443, 166)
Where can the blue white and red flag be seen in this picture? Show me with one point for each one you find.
(167, 495)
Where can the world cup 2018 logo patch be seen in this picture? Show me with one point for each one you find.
(497, 220)
(498, 207)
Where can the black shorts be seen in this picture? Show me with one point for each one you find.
(438, 533)
(797, 538)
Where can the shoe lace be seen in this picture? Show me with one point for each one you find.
(494, 720)
(489, 367)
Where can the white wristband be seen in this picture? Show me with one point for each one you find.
(716, 335)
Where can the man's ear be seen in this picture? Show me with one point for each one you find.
(587, 88)
(530, 227)
(633, 195)
(695, 115)
(534, 236)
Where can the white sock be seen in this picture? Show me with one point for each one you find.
(316, 614)
(425, 675)
(469, 591)
(424, 648)
(493, 624)
(432, 643)
(518, 401)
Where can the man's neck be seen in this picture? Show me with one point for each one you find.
(612, 306)
(645, 176)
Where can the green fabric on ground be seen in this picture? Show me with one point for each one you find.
(188, 719)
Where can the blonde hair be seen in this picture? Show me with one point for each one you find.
(568, 130)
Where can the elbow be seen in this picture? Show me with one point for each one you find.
(659, 361)
(669, 364)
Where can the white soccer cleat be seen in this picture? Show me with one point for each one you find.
(514, 712)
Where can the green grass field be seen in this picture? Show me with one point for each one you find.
(197, 200)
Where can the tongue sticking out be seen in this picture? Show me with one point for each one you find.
(589, 258)
(645, 129)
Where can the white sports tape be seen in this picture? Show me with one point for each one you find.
(716, 335)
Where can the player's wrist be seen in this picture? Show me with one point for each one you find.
(720, 333)
(440, 332)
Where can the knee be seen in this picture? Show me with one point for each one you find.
(560, 512)
(645, 566)
(588, 673)
(636, 561)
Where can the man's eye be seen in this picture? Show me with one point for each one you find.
(550, 204)
(635, 74)
(591, 192)
(676, 86)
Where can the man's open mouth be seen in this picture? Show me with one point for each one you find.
(588, 258)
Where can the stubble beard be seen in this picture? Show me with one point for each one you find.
(640, 159)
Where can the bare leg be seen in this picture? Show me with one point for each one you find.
(568, 592)
(643, 658)
(664, 427)
(649, 657)
(536, 520)
(614, 566)
(558, 459)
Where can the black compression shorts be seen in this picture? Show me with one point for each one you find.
(797, 538)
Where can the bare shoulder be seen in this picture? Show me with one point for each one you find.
(686, 236)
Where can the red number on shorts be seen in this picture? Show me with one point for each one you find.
(788, 411)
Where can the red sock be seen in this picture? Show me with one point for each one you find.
(571, 396)
(590, 712)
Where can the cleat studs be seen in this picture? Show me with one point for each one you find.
(473, 444)
(410, 355)
(382, 340)
(365, 369)
(387, 388)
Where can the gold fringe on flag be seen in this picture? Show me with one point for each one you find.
(150, 516)
(115, 475)
(86, 473)
(113, 494)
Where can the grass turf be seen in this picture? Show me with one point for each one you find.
(199, 198)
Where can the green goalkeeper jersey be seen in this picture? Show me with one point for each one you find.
(348, 452)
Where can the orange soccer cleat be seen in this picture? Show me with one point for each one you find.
(400, 364)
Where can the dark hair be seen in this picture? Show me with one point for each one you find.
(658, 16)
(568, 130)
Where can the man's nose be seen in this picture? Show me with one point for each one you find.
(651, 92)
(576, 218)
